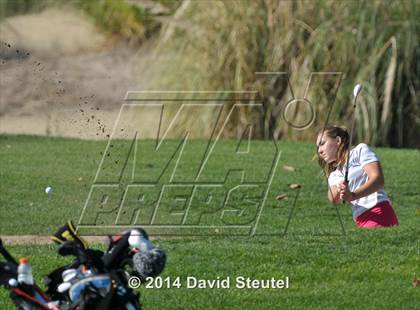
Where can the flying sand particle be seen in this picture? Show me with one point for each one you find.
(289, 168)
(294, 186)
(281, 197)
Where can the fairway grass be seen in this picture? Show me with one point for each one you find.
(330, 264)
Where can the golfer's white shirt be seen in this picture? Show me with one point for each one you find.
(360, 156)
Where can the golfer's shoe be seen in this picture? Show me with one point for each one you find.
(68, 232)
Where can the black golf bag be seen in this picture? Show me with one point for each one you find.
(94, 279)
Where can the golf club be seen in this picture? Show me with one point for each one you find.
(6, 254)
(356, 91)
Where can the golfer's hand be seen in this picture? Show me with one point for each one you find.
(345, 194)
(334, 194)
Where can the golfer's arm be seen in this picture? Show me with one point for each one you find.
(375, 180)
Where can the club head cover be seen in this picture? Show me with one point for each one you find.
(68, 232)
(70, 247)
(117, 252)
(149, 263)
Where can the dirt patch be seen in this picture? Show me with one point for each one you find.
(42, 240)
(60, 95)
(64, 89)
(50, 33)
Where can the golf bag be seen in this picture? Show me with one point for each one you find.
(94, 279)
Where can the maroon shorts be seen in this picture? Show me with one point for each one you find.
(381, 215)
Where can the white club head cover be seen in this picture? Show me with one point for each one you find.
(137, 240)
(63, 287)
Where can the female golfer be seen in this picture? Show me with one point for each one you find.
(370, 204)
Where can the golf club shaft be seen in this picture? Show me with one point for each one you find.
(346, 176)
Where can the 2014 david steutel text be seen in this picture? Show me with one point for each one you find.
(192, 282)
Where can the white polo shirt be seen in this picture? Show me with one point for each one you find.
(360, 156)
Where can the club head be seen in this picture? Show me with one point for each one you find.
(69, 275)
(356, 90)
(63, 287)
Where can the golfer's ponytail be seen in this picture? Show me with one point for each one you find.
(334, 132)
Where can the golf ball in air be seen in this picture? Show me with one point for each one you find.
(48, 190)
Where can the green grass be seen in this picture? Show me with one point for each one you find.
(326, 269)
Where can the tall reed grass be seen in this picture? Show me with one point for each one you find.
(220, 45)
(119, 18)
